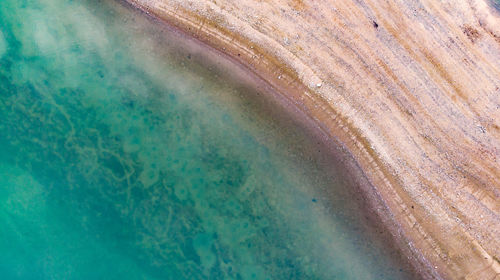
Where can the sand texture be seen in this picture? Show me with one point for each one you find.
(411, 89)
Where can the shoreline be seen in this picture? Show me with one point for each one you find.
(435, 253)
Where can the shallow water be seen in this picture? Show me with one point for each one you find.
(128, 152)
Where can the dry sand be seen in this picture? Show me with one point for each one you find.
(411, 88)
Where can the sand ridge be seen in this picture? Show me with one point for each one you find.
(411, 88)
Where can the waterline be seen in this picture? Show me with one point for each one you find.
(124, 156)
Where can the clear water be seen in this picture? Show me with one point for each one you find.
(128, 152)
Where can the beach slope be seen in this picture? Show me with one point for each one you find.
(410, 88)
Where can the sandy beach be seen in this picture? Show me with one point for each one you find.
(411, 89)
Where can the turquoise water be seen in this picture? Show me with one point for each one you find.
(128, 152)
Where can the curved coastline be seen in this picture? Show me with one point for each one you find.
(423, 128)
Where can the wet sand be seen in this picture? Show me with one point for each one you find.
(411, 90)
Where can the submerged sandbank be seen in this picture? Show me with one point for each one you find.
(412, 91)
